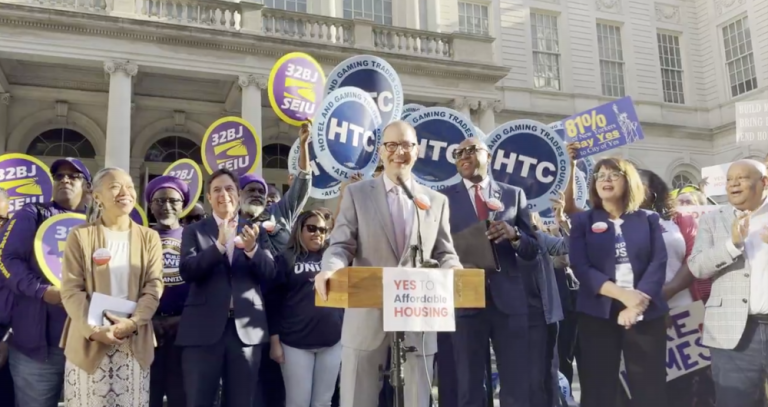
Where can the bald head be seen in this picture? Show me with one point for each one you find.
(398, 130)
(472, 141)
(746, 184)
(399, 150)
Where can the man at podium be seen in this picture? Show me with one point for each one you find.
(376, 227)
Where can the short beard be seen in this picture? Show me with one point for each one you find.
(252, 210)
(171, 221)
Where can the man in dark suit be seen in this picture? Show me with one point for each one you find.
(504, 320)
(223, 324)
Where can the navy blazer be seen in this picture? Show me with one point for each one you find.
(593, 259)
(213, 283)
(505, 287)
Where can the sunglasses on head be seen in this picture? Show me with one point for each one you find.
(316, 229)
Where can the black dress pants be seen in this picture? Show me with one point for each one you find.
(166, 377)
(602, 342)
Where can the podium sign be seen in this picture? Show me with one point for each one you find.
(418, 300)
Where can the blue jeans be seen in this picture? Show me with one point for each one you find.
(37, 384)
(739, 373)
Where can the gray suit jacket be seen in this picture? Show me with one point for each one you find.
(357, 239)
(728, 306)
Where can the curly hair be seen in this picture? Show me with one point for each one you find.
(657, 197)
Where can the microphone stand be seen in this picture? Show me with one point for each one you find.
(399, 350)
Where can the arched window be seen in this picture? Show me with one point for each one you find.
(61, 143)
(173, 148)
(680, 180)
(276, 156)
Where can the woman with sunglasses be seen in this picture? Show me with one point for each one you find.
(305, 339)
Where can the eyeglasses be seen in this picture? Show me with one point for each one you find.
(604, 176)
(316, 229)
(467, 152)
(393, 146)
(172, 201)
(59, 176)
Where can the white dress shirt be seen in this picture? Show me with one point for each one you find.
(756, 252)
(485, 190)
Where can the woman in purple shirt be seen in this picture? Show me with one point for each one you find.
(167, 196)
(305, 340)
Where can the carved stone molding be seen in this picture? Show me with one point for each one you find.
(62, 109)
(460, 103)
(5, 98)
(551, 1)
(722, 6)
(129, 68)
(495, 105)
(474, 104)
(609, 6)
(259, 81)
(666, 13)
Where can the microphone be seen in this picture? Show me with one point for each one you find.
(417, 251)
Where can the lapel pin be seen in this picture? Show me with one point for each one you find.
(101, 257)
(599, 227)
(494, 204)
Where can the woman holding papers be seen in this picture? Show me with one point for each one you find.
(108, 361)
(304, 339)
(620, 302)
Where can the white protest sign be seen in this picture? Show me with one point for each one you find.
(751, 121)
(716, 176)
(685, 352)
(418, 300)
(697, 210)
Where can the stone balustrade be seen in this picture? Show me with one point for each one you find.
(248, 17)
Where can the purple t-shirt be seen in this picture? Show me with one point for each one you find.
(175, 291)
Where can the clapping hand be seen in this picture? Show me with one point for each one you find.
(740, 228)
(227, 229)
(249, 236)
(764, 234)
(558, 207)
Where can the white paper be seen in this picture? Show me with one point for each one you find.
(716, 176)
(418, 300)
(102, 302)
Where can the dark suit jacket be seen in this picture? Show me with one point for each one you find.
(593, 259)
(213, 282)
(505, 287)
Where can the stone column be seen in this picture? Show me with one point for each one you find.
(118, 150)
(487, 109)
(5, 100)
(461, 105)
(251, 109)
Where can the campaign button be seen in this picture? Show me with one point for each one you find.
(101, 257)
(599, 227)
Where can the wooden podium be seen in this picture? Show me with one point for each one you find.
(361, 287)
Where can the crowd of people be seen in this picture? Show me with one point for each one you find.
(225, 304)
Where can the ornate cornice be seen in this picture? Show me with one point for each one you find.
(130, 30)
(5, 98)
(129, 68)
(460, 103)
(721, 6)
(610, 6)
(259, 81)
